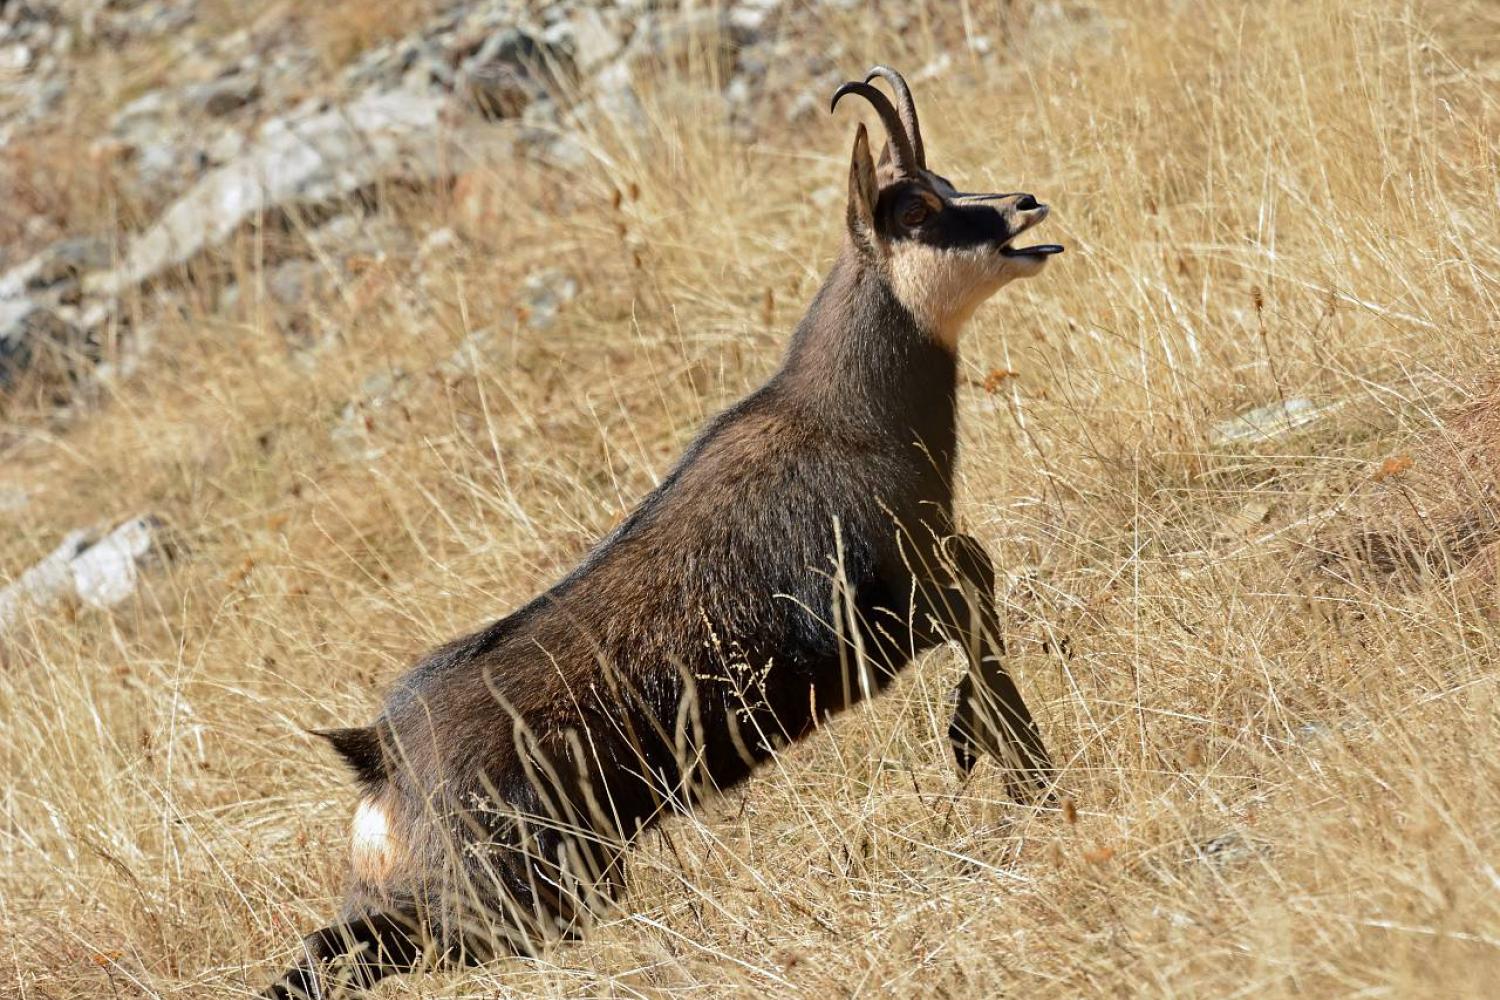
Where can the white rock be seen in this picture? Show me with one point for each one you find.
(313, 159)
(44, 584)
(105, 573)
(1267, 422)
(223, 95)
(15, 58)
(225, 146)
(545, 293)
(438, 239)
(593, 41)
(615, 98)
(298, 283)
(99, 571)
(748, 18)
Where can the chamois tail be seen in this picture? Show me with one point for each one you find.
(360, 747)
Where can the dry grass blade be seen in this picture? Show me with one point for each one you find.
(1278, 783)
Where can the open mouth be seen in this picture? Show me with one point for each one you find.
(1039, 250)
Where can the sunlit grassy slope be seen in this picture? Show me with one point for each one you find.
(1279, 786)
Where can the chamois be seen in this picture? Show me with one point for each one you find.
(799, 555)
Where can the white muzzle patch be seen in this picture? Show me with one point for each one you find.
(943, 287)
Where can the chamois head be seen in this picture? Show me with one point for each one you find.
(942, 252)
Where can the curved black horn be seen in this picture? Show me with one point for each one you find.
(906, 106)
(906, 159)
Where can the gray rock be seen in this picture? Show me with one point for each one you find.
(313, 156)
(161, 166)
(223, 96)
(15, 57)
(751, 15)
(30, 333)
(436, 249)
(415, 63)
(673, 38)
(118, 23)
(741, 91)
(563, 149)
(544, 294)
(46, 96)
(353, 435)
(43, 585)
(105, 573)
(592, 40)
(296, 283)
(352, 234)
(68, 259)
(226, 146)
(101, 570)
(615, 97)
(313, 159)
(429, 73)
(145, 110)
(160, 139)
(229, 298)
(438, 241)
(509, 71)
(1265, 423)
(1225, 849)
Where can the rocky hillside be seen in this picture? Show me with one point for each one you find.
(211, 121)
(143, 142)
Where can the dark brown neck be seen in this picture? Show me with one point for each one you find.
(859, 359)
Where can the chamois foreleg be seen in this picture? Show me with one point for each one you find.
(990, 714)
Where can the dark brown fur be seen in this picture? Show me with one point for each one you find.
(808, 524)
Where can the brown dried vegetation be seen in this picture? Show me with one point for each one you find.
(1278, 789)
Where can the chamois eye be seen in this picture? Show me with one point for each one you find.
(916, 213)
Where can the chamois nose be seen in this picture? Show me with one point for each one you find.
(1026, 203)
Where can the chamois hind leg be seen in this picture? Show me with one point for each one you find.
(990, 714)
(350, 956)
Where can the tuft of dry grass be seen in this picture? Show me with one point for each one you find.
(342, 29)
(1276, 785)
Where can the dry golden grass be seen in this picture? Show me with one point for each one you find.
(1276, 787)
(342, 29)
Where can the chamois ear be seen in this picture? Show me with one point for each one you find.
(863, 190)
(885, 164)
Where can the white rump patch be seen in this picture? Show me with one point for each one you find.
(374, 848)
